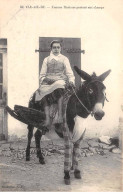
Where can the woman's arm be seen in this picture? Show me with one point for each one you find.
(69, 71)
(43, 71)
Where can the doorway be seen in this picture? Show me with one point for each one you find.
(3, 90)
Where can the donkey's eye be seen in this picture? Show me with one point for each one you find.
(90, 91)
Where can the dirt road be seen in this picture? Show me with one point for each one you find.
(99, 173)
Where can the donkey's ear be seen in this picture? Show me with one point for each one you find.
(104, 75)
(82, 74)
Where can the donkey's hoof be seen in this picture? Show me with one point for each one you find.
(77, 174)
(67, 181)
(67, 177)
(42, 161)
(27, 158)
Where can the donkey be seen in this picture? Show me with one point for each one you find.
(88, 99)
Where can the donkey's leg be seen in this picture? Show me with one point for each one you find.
(68, 159)
(30, 135)
(38, 135)
(75, 158)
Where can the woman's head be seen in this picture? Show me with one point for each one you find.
(55, 47)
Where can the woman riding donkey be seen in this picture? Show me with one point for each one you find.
(55, 75)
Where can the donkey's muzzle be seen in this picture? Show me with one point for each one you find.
(99, 115)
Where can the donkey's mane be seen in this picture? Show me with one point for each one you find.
(93, 75)
(80, 91)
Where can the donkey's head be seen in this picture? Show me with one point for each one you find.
(94, 90)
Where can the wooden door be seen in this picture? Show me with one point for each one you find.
(71, 48)
(3, 89)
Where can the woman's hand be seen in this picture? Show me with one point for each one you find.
(49, 81)
(70, 84)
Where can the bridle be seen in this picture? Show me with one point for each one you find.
(88, 111)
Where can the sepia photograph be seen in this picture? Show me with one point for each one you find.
(61, 108)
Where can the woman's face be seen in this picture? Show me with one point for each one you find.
(56, 49)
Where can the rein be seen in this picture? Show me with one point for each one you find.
(89, 112)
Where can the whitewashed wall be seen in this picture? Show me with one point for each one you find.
(100, 32)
